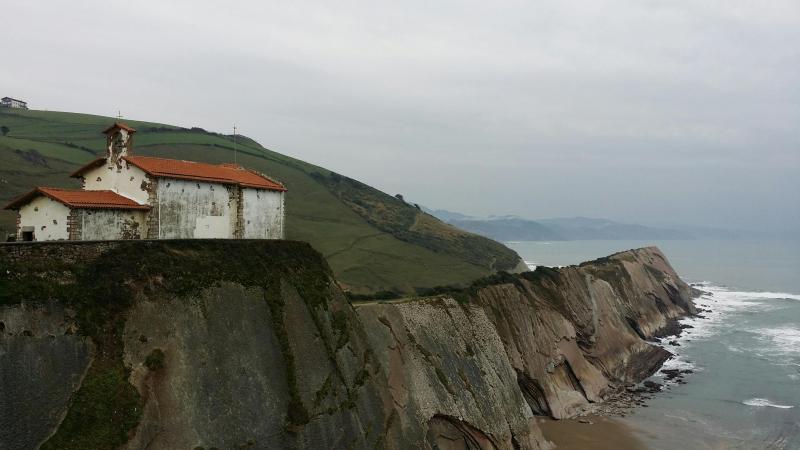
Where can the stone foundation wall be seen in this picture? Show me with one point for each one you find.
(74, 225)
(63, 251)
(153, 224)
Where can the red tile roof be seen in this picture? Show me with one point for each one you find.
(121, 126)
(189, 170)
(79, 199)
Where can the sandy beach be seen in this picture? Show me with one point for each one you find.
(602, 433)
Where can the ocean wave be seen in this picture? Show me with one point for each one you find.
(680, 363)
(785, 339)
(762, 402)
(720, 301)
(717, 303)
(748, 295)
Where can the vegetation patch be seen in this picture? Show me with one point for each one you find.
(323, 391)
(100, 289)
(544, 281)
(341, 327)
(155, 360)
(407, 223)
(296, 412)
(464, 294)
(380, 295)
(102, 412)
(611, 271)
(655, 273)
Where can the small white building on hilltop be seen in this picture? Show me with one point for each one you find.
(125, 196)
(8, 102)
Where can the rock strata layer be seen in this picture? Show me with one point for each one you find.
(251, 344)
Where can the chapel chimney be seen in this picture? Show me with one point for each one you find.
(119, 141)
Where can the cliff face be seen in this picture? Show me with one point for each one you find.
(237, 344)
(574, 333)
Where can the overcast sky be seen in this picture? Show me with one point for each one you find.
(640, 111)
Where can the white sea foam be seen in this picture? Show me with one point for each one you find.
(746, 295)
(716, 304)
(681, 363)
(763, 402)
(721, 301)
(785, 339)
(531, 264)
(768, 295)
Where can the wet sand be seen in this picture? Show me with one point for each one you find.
(604, 433)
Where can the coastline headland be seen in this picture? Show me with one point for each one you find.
(252, 344)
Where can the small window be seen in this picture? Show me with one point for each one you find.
(27, 235)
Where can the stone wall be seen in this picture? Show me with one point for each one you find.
(152, 218)
(110, 224)
(74, 225)
(69, 252)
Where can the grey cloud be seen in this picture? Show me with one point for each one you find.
(655, 111)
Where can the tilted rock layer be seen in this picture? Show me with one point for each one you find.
(251, 344)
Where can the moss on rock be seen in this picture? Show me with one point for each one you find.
(100, 288)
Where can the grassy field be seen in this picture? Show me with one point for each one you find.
(373, 241)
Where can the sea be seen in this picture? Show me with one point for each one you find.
(744, 355)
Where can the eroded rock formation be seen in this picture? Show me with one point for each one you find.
(251, 344)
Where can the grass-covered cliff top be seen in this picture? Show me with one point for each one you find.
(373, 241)
(109, 273)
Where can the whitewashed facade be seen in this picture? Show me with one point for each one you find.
(135, 197)
(8, 102)
(45, 218)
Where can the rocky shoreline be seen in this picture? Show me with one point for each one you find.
(624, 399)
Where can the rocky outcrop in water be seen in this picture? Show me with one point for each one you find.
(251, 344)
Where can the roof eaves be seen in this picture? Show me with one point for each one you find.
(192, 178)
(260, 186)
(20, 200)
(45, 191)
(82, 205)
(97, 162)
(221, 180)
(120, 125)
(280, 186)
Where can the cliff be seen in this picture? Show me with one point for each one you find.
(251, 344)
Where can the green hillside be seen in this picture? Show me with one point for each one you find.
(372, 240)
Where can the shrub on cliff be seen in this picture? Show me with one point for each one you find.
(155, 360)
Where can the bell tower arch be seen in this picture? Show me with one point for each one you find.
(119, 141)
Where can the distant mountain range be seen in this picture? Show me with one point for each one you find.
(513, 228)
(581, 228)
